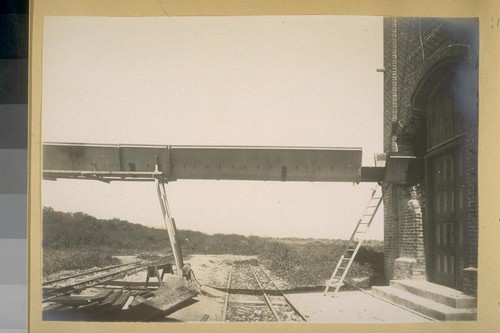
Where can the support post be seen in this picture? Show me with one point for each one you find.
(170, 225)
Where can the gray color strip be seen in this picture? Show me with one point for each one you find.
(15, 314)
(13, 126)
(14, 81)
(13, 171)
(14, 37)
(13, 166)
(13, 216)
(13, 260)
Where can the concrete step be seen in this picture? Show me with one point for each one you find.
(422, 305)
(441, 294)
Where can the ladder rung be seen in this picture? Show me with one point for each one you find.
(334, 279)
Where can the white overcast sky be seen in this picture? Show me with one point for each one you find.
(256, 81)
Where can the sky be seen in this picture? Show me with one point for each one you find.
(306, 81)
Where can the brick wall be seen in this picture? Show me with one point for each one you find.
(413, 48)
(391, 224)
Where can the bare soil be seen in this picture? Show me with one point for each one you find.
(212, 271)
(346, 307)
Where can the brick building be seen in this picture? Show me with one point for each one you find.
(430, 111)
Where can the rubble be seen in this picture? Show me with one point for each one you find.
(120, 304)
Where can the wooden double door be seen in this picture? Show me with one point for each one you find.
(447, 218)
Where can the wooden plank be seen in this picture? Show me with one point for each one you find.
(92, 307)
(147, 294)
(108, 301)
(72, 300)
(111, 298)
(53, 307)
(79, 300)
(165, 298)
(142, 313)
(117, 304)
(137, 300)
(167, 301)
(132, 284)
(121, 300)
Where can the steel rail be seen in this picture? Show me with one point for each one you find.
(226, 300)
(91, 282)
(283, 295)
(268, 301)
(46, 283)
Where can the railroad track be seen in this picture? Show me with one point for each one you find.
(87, 279)
(66, 278)
(261, 301)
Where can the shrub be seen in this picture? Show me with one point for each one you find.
(55, 260)
(78, 240)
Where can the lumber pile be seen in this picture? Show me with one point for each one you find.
(119, 304)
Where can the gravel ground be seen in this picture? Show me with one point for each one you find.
(346, 307)
(213, 271)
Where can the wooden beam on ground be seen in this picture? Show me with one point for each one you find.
(78, 300)
(165, 301)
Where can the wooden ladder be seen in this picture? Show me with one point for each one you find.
(346, 260)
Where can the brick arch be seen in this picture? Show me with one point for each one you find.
(414, 132)
(440, 63)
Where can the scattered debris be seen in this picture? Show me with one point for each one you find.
(123, 305)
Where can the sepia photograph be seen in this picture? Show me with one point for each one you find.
(248, 169)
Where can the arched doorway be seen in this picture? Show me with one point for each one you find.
(444, 107)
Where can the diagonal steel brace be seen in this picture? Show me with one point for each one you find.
(169, 221)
